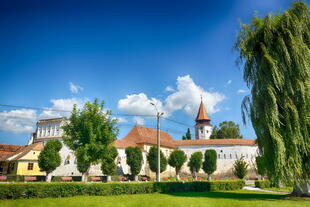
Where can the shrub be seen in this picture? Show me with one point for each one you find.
(240, 168)
(43, 190)
(262, 184)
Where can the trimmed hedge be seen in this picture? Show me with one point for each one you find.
(262, 184)
(43, 190)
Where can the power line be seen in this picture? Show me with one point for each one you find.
(67, 111)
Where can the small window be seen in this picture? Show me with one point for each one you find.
(30, 166)
(224, 156)
(67, 161)
(219, 156)
(230, 156)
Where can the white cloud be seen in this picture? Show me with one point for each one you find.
(138, 120)
(62, 107)
(228, 83)
(18, 121)
(169, 89)
(186, 97)
(75, 88)
(139, 104)
(241, 91)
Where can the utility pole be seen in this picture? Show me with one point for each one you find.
(158, 142)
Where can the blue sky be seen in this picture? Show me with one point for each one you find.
(126, 53)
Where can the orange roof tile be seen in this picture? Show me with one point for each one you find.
(141, 135)
(202, 113)
(7, 149)
(19, 154)
(215, 142)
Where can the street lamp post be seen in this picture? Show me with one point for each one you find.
(158, 115)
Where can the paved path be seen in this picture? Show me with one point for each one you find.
(259, 189)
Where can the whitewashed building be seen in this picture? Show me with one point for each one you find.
(228, 150)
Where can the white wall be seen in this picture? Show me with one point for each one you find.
(226, 155)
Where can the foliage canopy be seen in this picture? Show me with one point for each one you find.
(275, 53)
(134, 159)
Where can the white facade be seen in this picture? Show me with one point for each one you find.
(203, 131)
(226, 155)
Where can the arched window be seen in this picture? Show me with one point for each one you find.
(67, 160)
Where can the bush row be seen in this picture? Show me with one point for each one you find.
(262, 184)
(43, 190)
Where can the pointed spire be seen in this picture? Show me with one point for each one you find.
(202, 113)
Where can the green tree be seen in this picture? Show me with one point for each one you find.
(209, 163)
(134, 159)
(240, 168)
(195, 163)
(176, 159)
(49, 158)
(275, 54)
(226, 130)
(152, 160)
(89, 133)
(188, 135)
(260, 166)
(108, 166)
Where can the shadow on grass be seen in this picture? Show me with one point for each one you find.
(232, 195)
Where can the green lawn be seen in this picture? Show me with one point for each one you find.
(218, 199)
(283, 189)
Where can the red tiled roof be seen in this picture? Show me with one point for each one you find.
(145, 135)
(7, 149)
(215, 142)
(202, 113)
(37, 146)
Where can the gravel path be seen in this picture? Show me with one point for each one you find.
(259, 189)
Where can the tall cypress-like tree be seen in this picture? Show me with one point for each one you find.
(195, 163)
(152, 160)
(275, 55)
(90, 133)
(176, 159)
(209, 163)
(134, 159)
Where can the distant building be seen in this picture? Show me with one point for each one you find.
(228, 150)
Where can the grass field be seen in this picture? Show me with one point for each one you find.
(209, 199)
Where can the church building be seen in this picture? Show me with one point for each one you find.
(228, 150)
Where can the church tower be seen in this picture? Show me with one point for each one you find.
(203, 129)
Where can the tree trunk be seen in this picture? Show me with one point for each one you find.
(209, 177)
(302, 189)
(108, 178)
(48, 177)
(177, 174)
(85, 175)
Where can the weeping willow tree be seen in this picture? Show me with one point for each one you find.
(275, 57)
